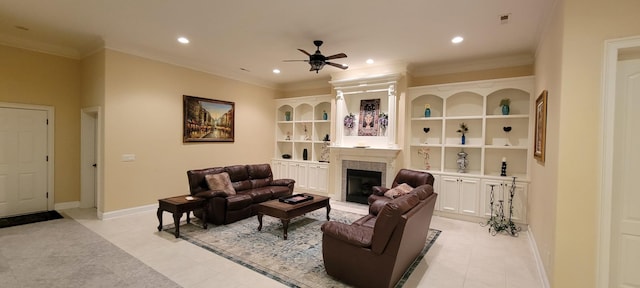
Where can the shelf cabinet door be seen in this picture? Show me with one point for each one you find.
(279, 169)
(469, 196)
(318, 178)
(450, 196)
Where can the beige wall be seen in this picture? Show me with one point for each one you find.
(143, 116)
(543, 188)
(92, 82)
(40, 79)
(582, 26)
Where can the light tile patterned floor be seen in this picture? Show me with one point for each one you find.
(464, 256)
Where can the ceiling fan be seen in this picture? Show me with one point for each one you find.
(317, 60)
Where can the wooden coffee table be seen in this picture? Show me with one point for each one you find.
(285, 212)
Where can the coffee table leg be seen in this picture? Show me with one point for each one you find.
(328, 210)
(260, 221)
(188, 218)
(176, 222)
(285, 227)
(159, 214)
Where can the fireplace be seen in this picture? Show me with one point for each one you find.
(360, 184)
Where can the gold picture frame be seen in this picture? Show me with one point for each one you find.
(540, 136)
(207, 120)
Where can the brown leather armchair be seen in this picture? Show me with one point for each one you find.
(412, 177)
(376, 250)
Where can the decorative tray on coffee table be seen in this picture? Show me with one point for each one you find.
(295, 198)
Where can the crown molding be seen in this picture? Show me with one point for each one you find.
(472, 65)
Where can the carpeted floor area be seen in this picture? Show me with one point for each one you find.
(63, 253)
(29, 218)
(296, 262)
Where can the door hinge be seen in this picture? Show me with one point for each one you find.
(47, 121)
(47, 158)
(47, 195)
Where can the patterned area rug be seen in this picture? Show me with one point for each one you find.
(29, 218)
(296, 262)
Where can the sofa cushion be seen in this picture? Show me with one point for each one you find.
(398, 191)
(239, 177)
(220, 182)
(238, 201)
(259, 195)
(260, 175)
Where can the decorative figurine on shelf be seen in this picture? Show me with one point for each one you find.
(427, 110)
(287, 116)
(503, 170)
(424, 152)
(426, 131)
(288, 136)
(306, 133)
(326, 138)
(463, 130)
(506, 130)
(325, 116)
(462, 161)
(504, 103)
(324, 151)
(305, 154)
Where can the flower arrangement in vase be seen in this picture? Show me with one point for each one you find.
(383, 120)
(349, 122)
(424, 152)
(463, 130)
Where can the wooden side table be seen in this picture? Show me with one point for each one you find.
(178, 205)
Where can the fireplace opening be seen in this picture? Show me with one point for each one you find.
(360, 184)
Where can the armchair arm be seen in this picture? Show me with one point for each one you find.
(211, 194)
(359, 236)
(282, 182)
(379, 190)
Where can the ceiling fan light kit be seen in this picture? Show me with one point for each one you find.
(317, 60)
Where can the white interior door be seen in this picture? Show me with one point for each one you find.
(625, 228)
(88, 170)
(23, 161)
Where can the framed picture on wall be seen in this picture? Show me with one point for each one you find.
(369, 113)
(541, 127)
(207, 120)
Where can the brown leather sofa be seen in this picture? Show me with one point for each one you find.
(376, 250)
(412, 177)
(253, 184)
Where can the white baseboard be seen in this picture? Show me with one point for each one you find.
(541, 271)
(66, 205)
(128, 211)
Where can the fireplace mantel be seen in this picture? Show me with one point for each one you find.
(378, 154)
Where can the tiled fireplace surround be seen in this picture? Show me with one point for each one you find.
(370, 159)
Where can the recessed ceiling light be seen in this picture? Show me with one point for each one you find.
(183, 40)
(457, 39)
(369, 61)
(276, 71)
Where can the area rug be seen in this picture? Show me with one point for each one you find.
(29, 218)
(295, 262)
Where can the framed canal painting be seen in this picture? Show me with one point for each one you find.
(540, 136)
(207, 120)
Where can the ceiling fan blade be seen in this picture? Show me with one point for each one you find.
(340, 55)
(295, 60)
(305, 52)
(343, 67)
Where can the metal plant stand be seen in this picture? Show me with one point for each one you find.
(497, 222)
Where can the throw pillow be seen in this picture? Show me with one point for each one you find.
(221, 182)
(398, 191)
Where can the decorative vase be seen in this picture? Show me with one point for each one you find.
(304, 154)
(325, 116)
(505, 109)
(427, 112)
(287, 116)
(462, 162)
(463, 139)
